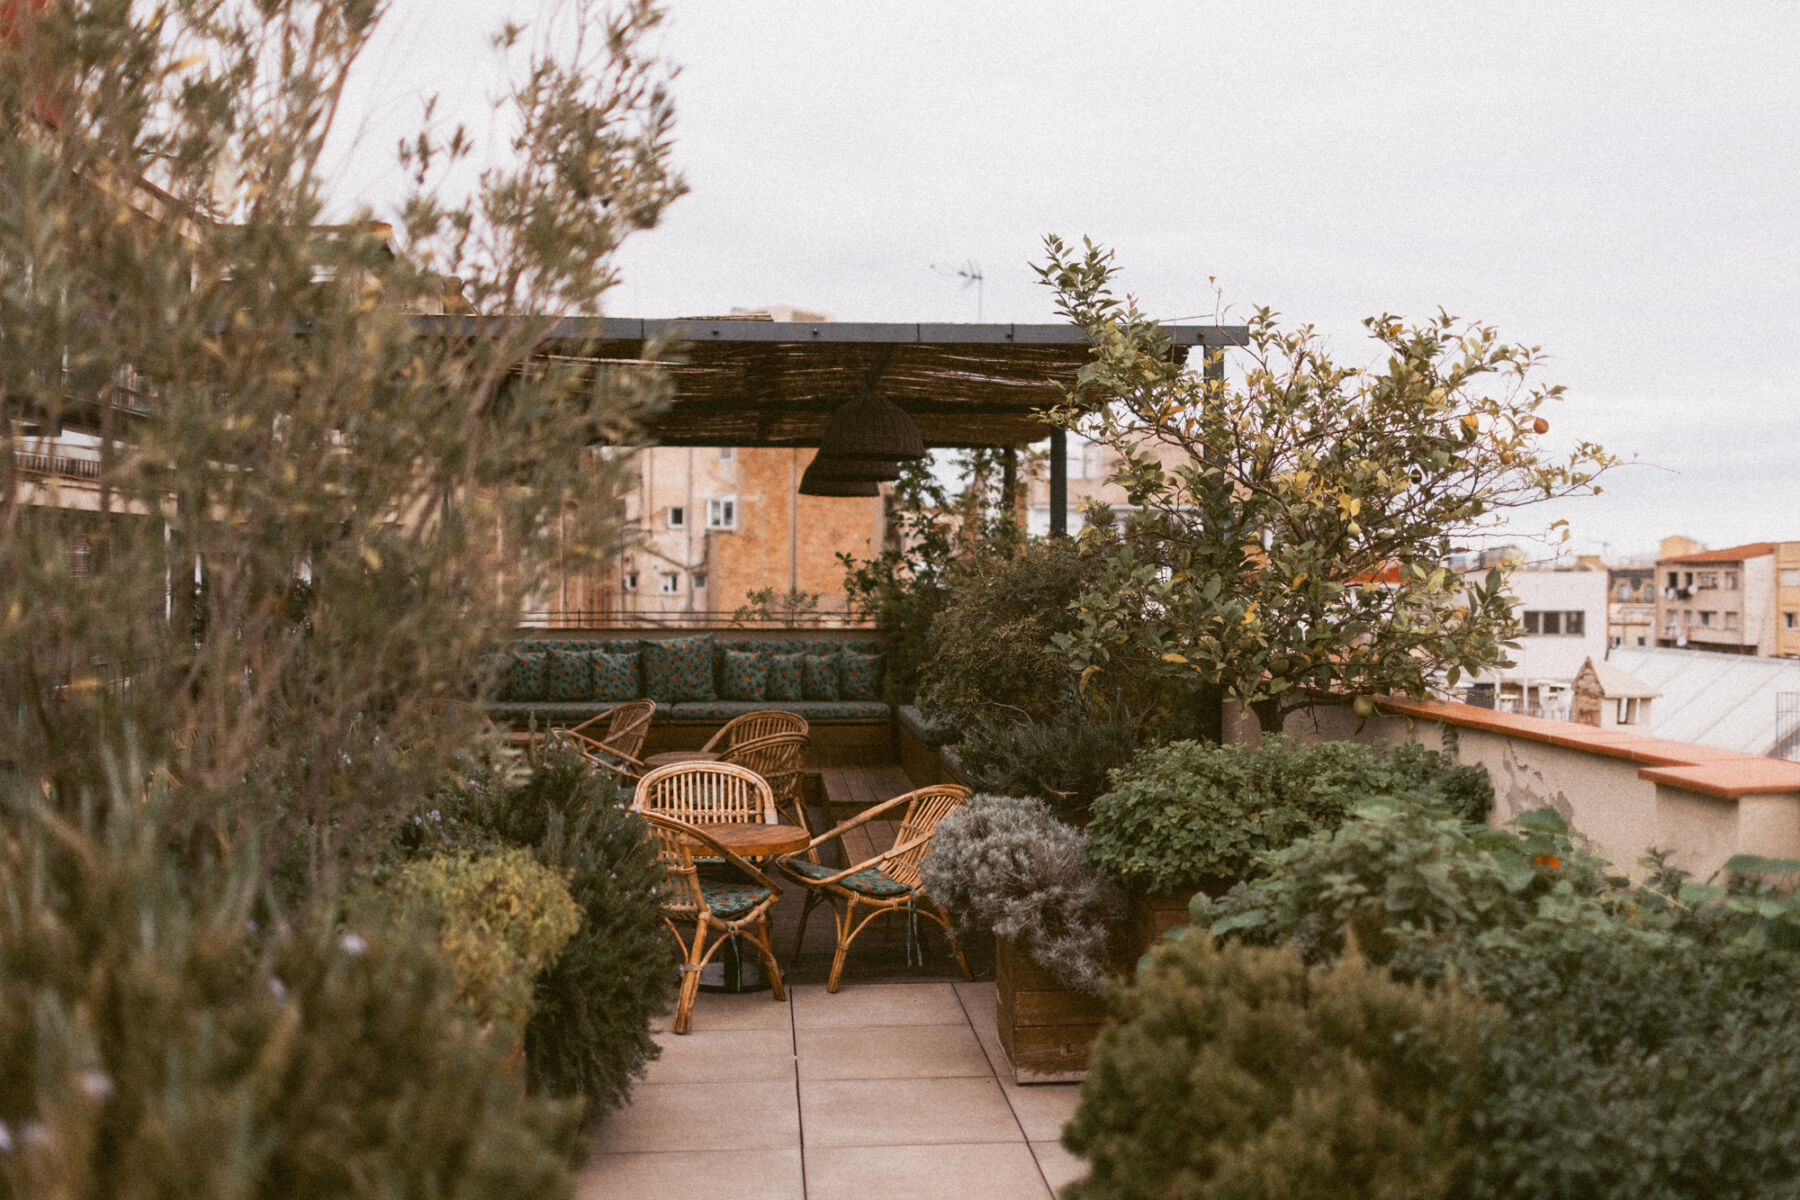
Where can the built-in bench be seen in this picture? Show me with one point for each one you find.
(699, 682)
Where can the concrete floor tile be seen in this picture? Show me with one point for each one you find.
(723, 1056)
(725, 1010)
(1058, 1165)
(891, 1052)
(905, 1112)
(1042, 1109)
(740, 1174)
(989, 1171)
(666, 1117)
(877, 1004)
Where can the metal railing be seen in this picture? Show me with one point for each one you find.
(613, 618)
(67, 466)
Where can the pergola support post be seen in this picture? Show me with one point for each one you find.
(1059, 483)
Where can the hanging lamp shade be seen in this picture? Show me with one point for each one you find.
(871, 428)
(851, 470)
(811, 485)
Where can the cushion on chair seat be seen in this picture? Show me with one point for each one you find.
(870, 881)
(729, 901)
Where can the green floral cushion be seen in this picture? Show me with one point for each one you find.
(567, 675)
(746, 675)
(679, 669)
(787, 676)
(819, 676)
(870, 881)
(729, 901)
(617, 676)
(525, 676)
(862, 676)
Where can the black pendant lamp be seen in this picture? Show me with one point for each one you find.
(837, 487)
(851, 470)
(870, 428)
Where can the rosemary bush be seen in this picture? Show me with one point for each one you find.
(1007, 863)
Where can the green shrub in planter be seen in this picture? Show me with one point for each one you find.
(589, 1032)
(1067, 761)
(157, 1041)
(1240, 1072)
(1194, 814)
(500, 917)
(1006, 862)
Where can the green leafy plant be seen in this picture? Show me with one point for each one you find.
(1193, 814)
(1292, 527)
(589, 1032)
(1240, 1071)
(164, 1033)
(500, 917)
(766, 606)
(1007, 863)
(1066, 760)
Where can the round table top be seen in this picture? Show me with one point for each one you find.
(758, 840)
(667, 757)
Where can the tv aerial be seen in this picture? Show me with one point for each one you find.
(970, 274)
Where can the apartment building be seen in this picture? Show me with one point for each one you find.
(1631, 606)
(1738, 600)
(1565, 613)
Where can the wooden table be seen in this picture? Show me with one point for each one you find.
(754, 841)
(669, 757)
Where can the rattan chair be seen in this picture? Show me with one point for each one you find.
(762, 723)
(726, 907)
(612, 740)
(706, 793)
(780, 758)
(887, 883)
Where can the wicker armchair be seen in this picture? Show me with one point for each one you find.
(887, 883)
(764, 723)
(710, 908)
(780, 758)
(612, 740)
(706, 793)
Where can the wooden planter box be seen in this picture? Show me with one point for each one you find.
(1046, 1028)
(1150, 917)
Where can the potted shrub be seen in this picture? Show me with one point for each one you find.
(1194, 817)
(1007, 863)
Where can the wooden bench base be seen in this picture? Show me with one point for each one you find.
(836, 743)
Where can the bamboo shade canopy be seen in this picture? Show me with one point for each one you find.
(774, 383)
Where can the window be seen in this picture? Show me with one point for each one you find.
(699, 578)
(1790, 577)
(1674, 579)
(1731, 620)
(1706, 618)
(721, 512)
(1555, 623)
(1628, 710)
(669, 584)
(1708, 579)
(1622, 592)
(1689, 581)
(1640, 641)
(1791, 619)
(1731, 581)
(677, 517)
(727, 453)
(629, 581)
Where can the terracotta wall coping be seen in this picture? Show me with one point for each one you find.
(1703, 769)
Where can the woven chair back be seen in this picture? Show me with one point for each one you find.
(629, 725)
(929, 806)
(680, 891)
(780, 758)
(750, 726)
(707, 793)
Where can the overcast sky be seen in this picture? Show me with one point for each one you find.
(1618, 183)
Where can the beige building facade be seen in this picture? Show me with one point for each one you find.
(1738, 600)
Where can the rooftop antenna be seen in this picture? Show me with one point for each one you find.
(970, 274)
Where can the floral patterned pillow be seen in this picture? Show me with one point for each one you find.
(787, 676)
(567, 674)
(525, 676)
(746, 675)
(862, 676)
(679, 669)
(819, 676)
(617, 675)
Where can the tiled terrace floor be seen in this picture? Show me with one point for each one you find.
(891, 1090)
(896, 1088)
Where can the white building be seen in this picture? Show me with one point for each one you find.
(1564, 613)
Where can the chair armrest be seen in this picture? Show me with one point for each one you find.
(890, 852)
(603, 715)
(861, 818)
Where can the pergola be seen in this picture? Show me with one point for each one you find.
(774, 383)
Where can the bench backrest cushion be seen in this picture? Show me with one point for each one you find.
(787, 678)
(617, 673)
(678, 669)
(744, 674)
